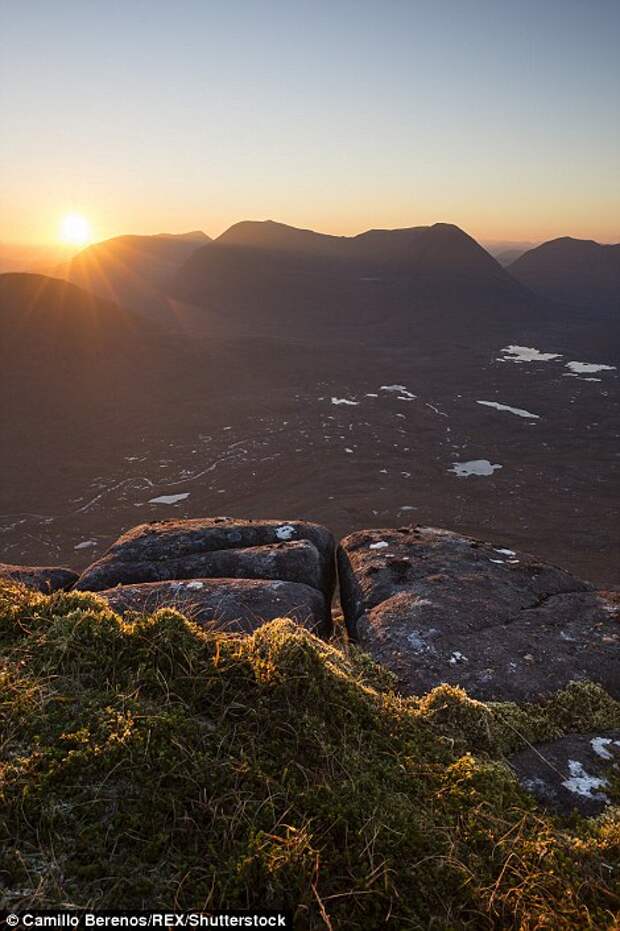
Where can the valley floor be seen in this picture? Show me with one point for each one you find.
(524, 453)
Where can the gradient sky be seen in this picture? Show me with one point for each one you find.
(151, 115)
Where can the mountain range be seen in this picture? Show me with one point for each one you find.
(143, 271)
(388, 285)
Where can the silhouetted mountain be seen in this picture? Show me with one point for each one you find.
(575, 271)
(132, 270)
(42, 316)
(410, 251)
(267, 234)
(264, 275)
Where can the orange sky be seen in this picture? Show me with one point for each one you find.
(340, 117)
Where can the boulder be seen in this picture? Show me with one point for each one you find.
(233, 605)
(44, 579)
(297, 561)
(435, 606)
(571, 773)
(295, 551)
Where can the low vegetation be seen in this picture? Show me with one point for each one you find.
(149, 763)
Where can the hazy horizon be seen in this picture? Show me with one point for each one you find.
(54, 244)
(146, 118)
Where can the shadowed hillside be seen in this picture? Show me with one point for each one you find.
(132, 270)
(386, 284)
(54, 316)
(75, 371)
(409, 252)
(575, 271)
(62, 348)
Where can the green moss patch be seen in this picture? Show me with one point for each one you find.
(146, 762)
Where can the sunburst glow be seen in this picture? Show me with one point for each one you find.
(75, 229)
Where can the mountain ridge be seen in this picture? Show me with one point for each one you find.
(575, 271)
(265, 274)
(400, 244)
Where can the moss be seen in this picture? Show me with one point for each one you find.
(499, 728)
(147, 762)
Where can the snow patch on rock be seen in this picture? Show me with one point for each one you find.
(285, 532)
(457, 657)
(582, 783)
(600, 744)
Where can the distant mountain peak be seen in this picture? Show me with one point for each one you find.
(273, 234)
(375, 243)
(263, 269)
(574, 271)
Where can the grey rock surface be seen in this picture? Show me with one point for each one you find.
(297, 561)
(571, 773)
(296, 551)
(435, 606)
(41, 578)
(233, 605)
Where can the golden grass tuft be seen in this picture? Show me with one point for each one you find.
(149, 763)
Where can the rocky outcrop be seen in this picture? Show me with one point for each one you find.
(297, 561)
(434, 606)
(233, 605)
(573, 772)
(45, 579)
(218, 547)
(234, 573)
(431, 605)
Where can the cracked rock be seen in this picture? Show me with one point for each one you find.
(217, 547)
(435, 606)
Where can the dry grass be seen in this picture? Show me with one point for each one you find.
(151, 763)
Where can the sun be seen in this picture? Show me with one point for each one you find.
(75, 230)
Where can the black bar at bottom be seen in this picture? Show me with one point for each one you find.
(24, 918)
